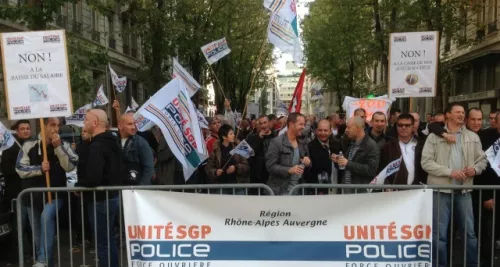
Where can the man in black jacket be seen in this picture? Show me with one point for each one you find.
(260, 142)
(361, 155)
(13, 185)
(31, 168)
(320, 149)
(104, 167)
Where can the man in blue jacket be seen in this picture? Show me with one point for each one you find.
(137, 152)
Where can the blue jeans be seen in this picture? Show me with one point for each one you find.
(43, 222)
(462, 204)
(103, 223)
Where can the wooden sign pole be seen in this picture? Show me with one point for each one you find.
(44, 149)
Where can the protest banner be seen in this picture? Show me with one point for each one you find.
(100, 99)
(178, 71)
(252, 109)
(36, 78)
(79, 116)
(382, 104)
(494, 157)
(6, 138)
(36, 74)
(174, 229)
(413, 64)
(119, 83)
(174, 113)
(215, 50)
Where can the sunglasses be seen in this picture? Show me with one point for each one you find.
(401, 125)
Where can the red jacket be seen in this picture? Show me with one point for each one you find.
(210, 143)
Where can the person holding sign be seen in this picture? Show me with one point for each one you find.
(32, 168)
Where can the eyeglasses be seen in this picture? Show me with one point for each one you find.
(401, 125)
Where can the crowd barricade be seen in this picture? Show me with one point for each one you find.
(75, 242)
(484, 229)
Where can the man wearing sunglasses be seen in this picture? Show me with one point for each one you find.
(402, 146)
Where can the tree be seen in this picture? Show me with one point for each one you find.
(337, 47)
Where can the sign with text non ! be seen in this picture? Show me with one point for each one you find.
(413, 64)
(36, 74)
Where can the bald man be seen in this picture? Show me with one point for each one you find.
(32, 169)
(360, 154)
(104, 166)
(137, 152)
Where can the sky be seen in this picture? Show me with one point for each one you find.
(302, 10)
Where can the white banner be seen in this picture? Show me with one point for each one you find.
(100, 99)
(178, 71)
(135, 106)
(381, 103)
(180, 229)
(79, 116)
(6, 138)
(243, 149)
(253, 109)
(389, 170)
(413, 64)
(36, 74)
(201, 119)
(119, 83)
(494, 157)
(283, 29)
(172, 110)
(215, 50)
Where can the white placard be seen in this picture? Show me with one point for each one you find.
(253, 108)
(413, 64)
(182, 229)
(36, 74)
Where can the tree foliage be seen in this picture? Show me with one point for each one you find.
(335, 29)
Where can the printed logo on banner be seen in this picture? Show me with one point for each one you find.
(398, 90)
(59, 107)
(411, 79)
(22, 110)
(425, 90)
(38, 93)
(427, 37)
(175, 117)
(399, 38)
(16, 40)
(51, 38)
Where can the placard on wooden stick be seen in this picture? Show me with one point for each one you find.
(36, 77)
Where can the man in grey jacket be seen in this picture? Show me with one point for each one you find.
(453, 164)
(287, 157)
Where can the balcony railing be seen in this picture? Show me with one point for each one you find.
(492, 27)
(77, 27)
(480, 35)
(126, 49)
(96, 36)
(112, 43)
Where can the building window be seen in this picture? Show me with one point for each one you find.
(478, 77)
(492, 16)
(111, 32)
(497, 75)
(76, 25)
(125, 36)
(96, 34)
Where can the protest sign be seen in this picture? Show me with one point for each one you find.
(382, 104)
(36, 74)
(413, 64)
(174, 229)
(215, 50)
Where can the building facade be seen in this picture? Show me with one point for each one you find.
(287, 80)
(110, 33)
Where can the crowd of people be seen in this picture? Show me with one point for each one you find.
(445, 149)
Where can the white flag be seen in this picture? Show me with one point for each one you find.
(390, 169)
(215, 50)
(6, 138)
(201, 119)
(142, 123)
(100, 99)
(119, 83)
(129, 109)
(494, 157)
(134, 104)
(243, 149)
(172, 110)
(79, 116)
(178, 71)
(283, 30)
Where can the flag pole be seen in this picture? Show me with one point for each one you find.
(217, 79)
(45, 158)
(259, 66)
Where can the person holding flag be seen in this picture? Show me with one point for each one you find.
(224, 167)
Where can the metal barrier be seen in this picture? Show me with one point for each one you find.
(98, 207)
(475, 219)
